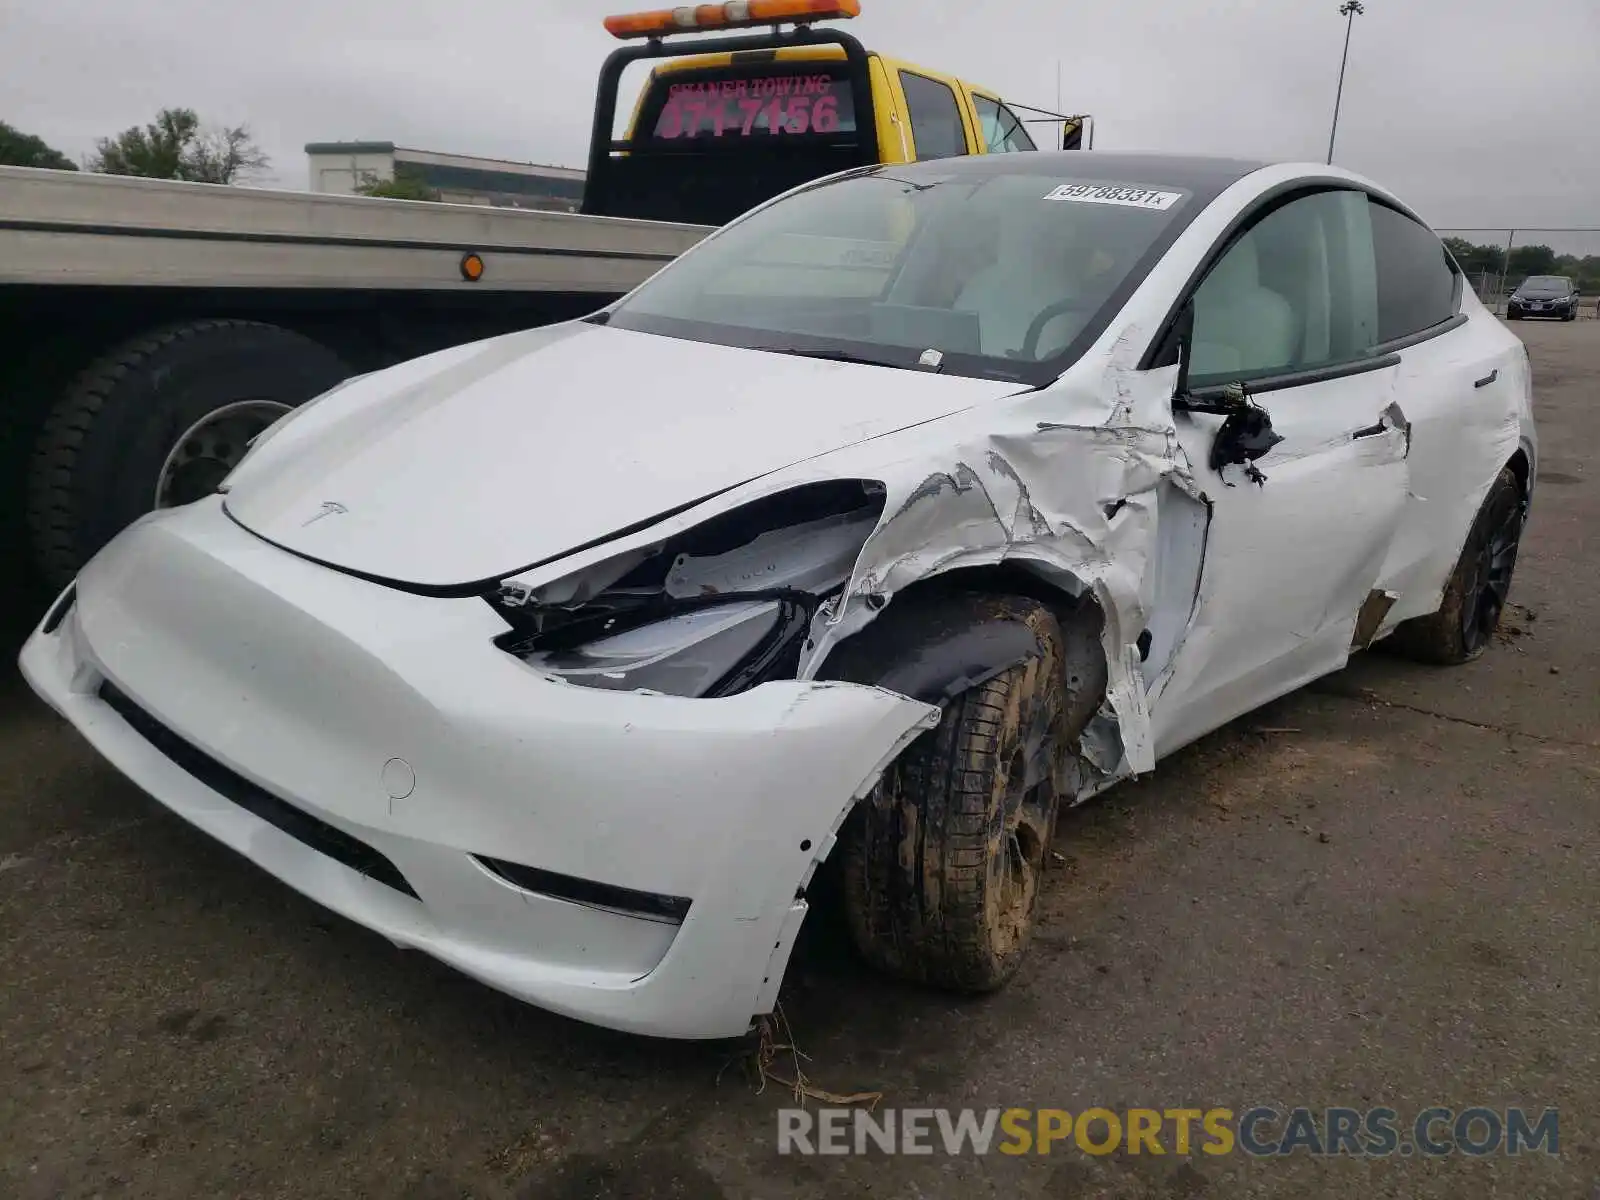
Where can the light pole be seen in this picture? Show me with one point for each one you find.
(1349, 10)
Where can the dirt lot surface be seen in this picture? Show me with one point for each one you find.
(1380, 891)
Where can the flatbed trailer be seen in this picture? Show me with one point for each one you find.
(128, 305)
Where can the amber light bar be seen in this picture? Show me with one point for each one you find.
(736, 14)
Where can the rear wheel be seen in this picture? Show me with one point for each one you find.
(942, 864)
(160, 421)
(1477, 591)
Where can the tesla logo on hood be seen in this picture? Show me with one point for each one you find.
(328, 509)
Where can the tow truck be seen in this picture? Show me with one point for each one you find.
(149, 330)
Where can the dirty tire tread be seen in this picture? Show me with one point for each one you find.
(55, 515)
(1436, 638)
(916, 860)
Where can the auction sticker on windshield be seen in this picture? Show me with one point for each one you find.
(1111, 193)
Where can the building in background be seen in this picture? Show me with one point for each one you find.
(341, 167)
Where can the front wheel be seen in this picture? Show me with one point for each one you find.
(1476, 593)
(942, 863)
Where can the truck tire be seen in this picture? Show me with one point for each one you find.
(159, 421)
(941, 865)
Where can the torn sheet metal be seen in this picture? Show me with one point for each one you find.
(814, 556)
(1069, 482)
(1064, 483)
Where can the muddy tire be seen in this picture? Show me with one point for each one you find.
(1476, 594)
(172, 407)
(941, 865)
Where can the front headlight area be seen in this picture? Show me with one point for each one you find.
(713, 611)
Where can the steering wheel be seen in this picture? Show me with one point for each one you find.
(1030, 344)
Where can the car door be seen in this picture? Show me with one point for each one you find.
(1289, 308)
(1459, 375)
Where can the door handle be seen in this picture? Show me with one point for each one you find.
(1377, 430)
(1488, 379)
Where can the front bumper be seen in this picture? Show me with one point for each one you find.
(324, 726)
(1544, 308)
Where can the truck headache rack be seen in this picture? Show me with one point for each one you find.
(644, 177)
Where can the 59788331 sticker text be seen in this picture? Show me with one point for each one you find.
(1110, 193)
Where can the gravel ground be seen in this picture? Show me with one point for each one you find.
(1380, 891)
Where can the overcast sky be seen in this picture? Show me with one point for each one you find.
(1478, 112)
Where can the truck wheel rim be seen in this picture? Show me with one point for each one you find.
(212, 447)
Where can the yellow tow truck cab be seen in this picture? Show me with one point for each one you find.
(723, 124)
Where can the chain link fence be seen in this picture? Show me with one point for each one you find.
(1496, 260)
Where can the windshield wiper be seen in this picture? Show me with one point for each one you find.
(828, 355)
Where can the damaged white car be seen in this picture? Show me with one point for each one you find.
(913, 506)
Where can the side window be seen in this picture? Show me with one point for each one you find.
(936, 124)
(1017, 138)
(1295, 291)
(1416, 280)
(1002, 132)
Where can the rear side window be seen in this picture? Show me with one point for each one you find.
(936, 123)
(1416, 281)
(1001, 130)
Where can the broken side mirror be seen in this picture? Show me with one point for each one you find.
(1246, 434)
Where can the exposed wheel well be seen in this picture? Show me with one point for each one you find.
(1002, 579)
(1523, 470)
(1086, 668)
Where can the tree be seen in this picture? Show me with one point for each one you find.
(1532, 260)
(405, 185)
(18, 149)
(176, 146)
(223, 155)
(1476, 260)
(154, 152)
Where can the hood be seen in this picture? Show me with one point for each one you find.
(474, 463)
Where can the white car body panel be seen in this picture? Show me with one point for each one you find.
(539, 448)
(309, 683)
(1465, 397)
(1327, 514)
(471, 464)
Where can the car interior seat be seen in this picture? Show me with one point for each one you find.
(1031, 271)
(1240, 325)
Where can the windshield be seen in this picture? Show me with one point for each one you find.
(1545, 283)
(972, 270)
